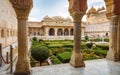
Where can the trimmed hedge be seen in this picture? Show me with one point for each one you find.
(55, 60)
(103, 47)
(68, 45)
(106, 39)
(83, 46)
(64, 57)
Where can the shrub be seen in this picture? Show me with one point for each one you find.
(68, 45)
(67, 49)
(55, 60)
(64, 57)
(34, 38)
(89, 45)
(96, 40)
(40, 40)
(55, 45)
(32, 62)
(106, 39)
(86, 38)
(101, 52)
(83, 46)
(103, 47)
(40, 53)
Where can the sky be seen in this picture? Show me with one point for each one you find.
(42, 8)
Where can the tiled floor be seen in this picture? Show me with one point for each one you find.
(94, 67)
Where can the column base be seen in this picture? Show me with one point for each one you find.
(77, 60)
(22, 73)
(112, 56)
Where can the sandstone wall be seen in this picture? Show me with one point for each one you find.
(8, 23)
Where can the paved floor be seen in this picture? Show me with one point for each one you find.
(94, 67)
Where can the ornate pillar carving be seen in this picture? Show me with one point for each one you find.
(22, 8)
(113, 14)
(77, 9)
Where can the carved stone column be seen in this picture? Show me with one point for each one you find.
(113, 53)
(113, 14)
(77, 9)
(76, 58)
(47, 32)
(56, 31)
(22, 8)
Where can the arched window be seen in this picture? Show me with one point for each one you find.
(2, 33)
(60, 32)
(8, 33)
(51, 32)
(34, 33)
(106, 34)
(66, 32)
(11, 33)
(38, 33)
(71, 32)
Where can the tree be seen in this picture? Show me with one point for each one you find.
(40, 53)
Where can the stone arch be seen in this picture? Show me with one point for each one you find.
(11, 33)
(38, 33)
(2, 33)
(8, 33)
(51, 32)
(66, 32)
(34, 33)
(71, 32)
(106, 34)
(59, 32)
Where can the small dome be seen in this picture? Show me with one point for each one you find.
(58, 18)
(46, 18)
(68, 19)
(100, 9)
(92, 10)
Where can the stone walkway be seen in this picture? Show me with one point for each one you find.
(93, 67)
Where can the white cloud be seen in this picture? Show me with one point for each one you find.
(38, 12)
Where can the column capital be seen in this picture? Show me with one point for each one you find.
(22, 8)
(77, 16)
(114, 18)
(109, 8)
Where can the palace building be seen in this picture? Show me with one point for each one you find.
(55, 28)
(97, 24)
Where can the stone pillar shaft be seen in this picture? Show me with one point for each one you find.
(77, 36)
(23, 64)
(47, 32)
(114, 52)
(76, 58)
(22, 8)
(56, 31)
(118, 40)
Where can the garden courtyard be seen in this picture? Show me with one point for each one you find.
(60, 51)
